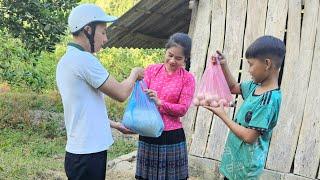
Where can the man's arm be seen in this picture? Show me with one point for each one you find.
(118, 126)
(120, 91)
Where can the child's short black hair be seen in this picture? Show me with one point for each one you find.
(267, 47)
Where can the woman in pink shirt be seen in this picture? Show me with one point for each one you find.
(171, 86)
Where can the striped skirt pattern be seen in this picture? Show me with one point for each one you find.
(163, 158)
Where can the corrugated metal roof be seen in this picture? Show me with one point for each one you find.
(149, 24)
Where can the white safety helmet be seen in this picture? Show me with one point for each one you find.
(85, 14)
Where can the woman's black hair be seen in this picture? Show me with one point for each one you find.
(183, 40)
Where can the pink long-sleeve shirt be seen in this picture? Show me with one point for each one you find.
(174, 90)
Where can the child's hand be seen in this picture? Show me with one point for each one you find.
(218, 56)
(219, 111)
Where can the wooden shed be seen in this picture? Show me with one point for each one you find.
(231, 25)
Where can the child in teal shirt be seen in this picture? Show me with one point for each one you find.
(250, 132)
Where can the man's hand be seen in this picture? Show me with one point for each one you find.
(124, 130)
(120, 127)
(138, 72)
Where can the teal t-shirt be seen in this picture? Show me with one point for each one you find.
(241, 160)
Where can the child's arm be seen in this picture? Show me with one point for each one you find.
(234, 86)
(247, 135)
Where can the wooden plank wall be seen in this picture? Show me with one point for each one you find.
(308, 151)
(187, 120)
(296, 81)
(235, 23)
(198, 56)
(254, 29)
(203, 120)
(287, 122)
(217, 134)
(232, 25)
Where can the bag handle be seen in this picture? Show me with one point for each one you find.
(143, 85)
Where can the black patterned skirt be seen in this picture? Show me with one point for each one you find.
(163, 158)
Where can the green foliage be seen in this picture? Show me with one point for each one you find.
(15, 108)
(39, 24)
(24, 70)
(119, 62)
(17, 64)
(116, 7)
(115, 109)
(121, 147)
(29, 151)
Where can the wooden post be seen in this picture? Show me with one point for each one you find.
(294, 177)
(203, 118)
(235, 22)
(276, 18)
(294, 84)
(198, 57)
(193, 17)
(307, 156)
(218, 130)
(255, 27)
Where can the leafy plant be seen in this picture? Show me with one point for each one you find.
(39, 24)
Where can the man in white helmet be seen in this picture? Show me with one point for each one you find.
(82, 82)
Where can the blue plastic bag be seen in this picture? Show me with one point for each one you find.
(141, 114)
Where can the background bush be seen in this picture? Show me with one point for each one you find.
(27, 85)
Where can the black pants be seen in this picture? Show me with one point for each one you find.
(86, 166)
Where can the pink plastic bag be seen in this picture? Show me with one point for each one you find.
(213, 88)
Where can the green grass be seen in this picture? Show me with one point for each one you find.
(29, 154)
(30, 151)
(121, 147)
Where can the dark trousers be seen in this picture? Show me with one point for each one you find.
(86, 166)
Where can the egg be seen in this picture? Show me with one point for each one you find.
(216, 97)
(208, 101)
(223, 101)
(203, 102)
(214, 104)
(200, 96)
(208, 97)
(196, 101)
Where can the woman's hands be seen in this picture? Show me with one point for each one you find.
(153, 95)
